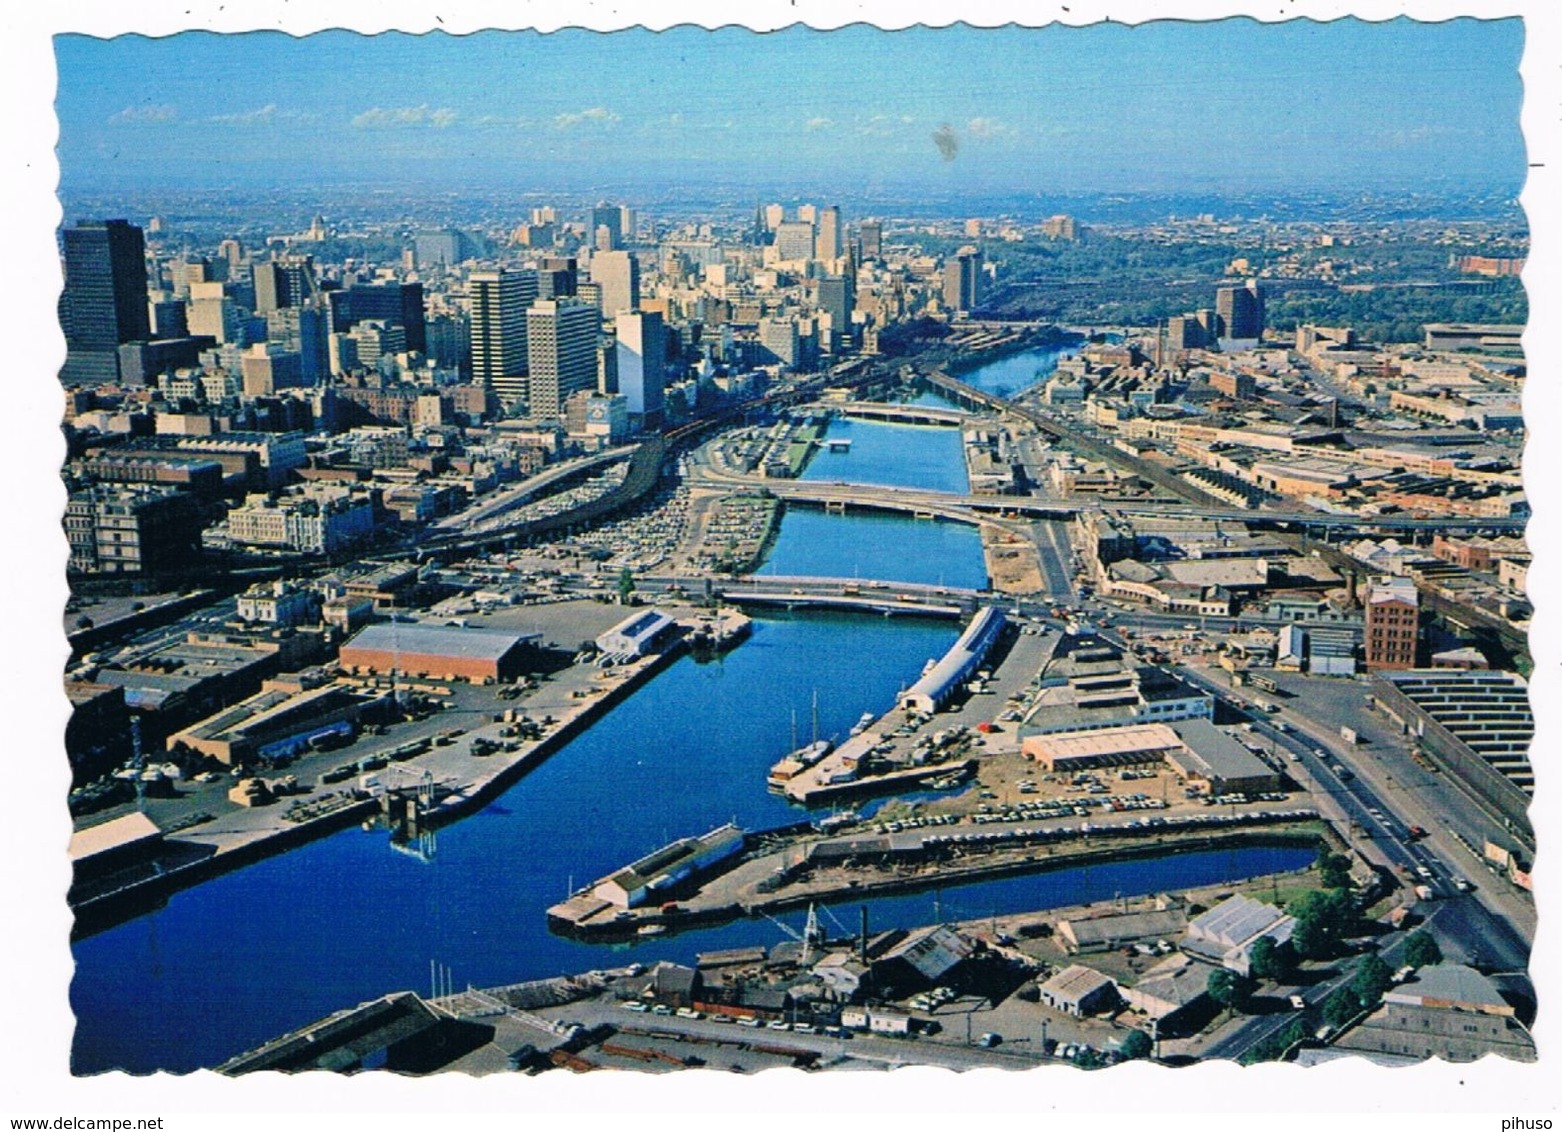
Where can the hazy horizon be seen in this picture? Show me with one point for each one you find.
(1228, 106)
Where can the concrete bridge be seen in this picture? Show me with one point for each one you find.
(885, 411)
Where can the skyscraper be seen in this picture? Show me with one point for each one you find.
(1239, 312)
(285, 282)
(383, 302)
(499, 358)
(561, 346)
(827, 244)
(104, 303)
(872, 235)
(642, 364)
(794, 240)
(836, 300)
(611, 217)
(963, 280)
(618, 274)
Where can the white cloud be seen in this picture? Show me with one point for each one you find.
(595, 116)
(985, 127)
(264, 116)
(813, 125)
(144, 114)
(380, 117)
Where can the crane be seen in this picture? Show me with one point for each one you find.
(810, 937)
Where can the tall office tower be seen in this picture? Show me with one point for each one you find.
(287, 282)
(795, 240)
(557, 277)
(440, 247)
(642, 364)
(387, 302)
(618, 274)
(561, 348)
(1393, 619)
(1239, 312)
(836, 300)
(304, 330)
(450, 342)
(872, 234)
(104, 303)
(780, 341)
(498, 309)
(774, 215)
(807, 213)
(232, 251)
(973, 228)
(1060, 227)
(545, 215)
(213, 313)
(828, 241)
(627, 222)
(167, 317)
(963, 280)
(608, 216)
(378, 340)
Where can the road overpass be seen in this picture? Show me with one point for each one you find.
(888, 411)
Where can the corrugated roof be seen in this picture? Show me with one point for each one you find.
(114, 834)
(437, 640)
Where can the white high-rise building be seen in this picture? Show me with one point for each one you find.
(561, 346)
(827, 243)
(795, 240)
(618, 274)
(642, 362)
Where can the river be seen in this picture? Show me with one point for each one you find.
(252, 954)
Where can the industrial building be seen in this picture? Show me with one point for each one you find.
(1207, 757)
(1174, 994)
(1114, 929)
(1080, 991)
(1087, 685)
(110, 845)
(1215, 763)
(944, 679)
(442, 652)
(282, 720)
(1447, 1011)
(1476, 724)
(636, 635)
(640, 882)
(1227, 932)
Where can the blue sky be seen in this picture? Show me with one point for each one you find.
(1106, 107)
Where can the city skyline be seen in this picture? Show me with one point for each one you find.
(1055, 109)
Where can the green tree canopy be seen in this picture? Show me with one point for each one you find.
(1333, 869)
(1228, 989)
(1271, 960)
(1136, 1045)
(1372, 978)
(1323, 919)
(1421, 950)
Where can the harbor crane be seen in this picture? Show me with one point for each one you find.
(810, 937)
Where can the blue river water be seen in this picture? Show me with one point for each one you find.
(892, 455)
(866, 545)
(1017, 372)
(252, 954)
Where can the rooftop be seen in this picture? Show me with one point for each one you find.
(440, 640)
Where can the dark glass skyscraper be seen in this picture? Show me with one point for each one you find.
(105, 300)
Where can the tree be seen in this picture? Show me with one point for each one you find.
(1322, 920)
(1341, 1007)
(1333, 869)
(1229, 989)
(1136, 1045)
(626, 585)
(1271, 960)
(1373, 977)
(1421, 950)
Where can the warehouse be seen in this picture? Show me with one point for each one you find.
(282, 720)
(944, 679)
(481, 656)
(1073, 751)
(1080, 991)
(1113, 930)
(1217, 764)
(637, 635)
(662, 870)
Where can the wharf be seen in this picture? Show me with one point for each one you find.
(465, 780)
(807, 868)
(814, 786)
